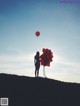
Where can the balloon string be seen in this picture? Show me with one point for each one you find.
(44, 71)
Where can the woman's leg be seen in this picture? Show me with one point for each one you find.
(38, 72)
(35, 73)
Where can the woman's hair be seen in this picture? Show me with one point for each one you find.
(37, 53)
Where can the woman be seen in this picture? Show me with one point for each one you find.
(37, 64)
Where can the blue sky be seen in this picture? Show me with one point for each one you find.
(59, 26)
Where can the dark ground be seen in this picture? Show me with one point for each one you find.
(29, 91)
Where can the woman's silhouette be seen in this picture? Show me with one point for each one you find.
(37, 64)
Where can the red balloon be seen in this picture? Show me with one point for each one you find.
(37, 33)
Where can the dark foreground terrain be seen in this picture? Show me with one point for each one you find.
(28, 91)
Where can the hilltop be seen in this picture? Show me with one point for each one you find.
(28, 91)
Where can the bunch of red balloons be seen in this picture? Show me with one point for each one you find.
(46, 57)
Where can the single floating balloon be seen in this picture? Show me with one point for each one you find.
(37, 33)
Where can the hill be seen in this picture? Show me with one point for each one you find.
(30, 91)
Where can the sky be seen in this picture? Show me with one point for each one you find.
(59, 25)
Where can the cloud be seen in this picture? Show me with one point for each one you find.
(5, 66)
(64, 61)
(17, 64)
(17, 58)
